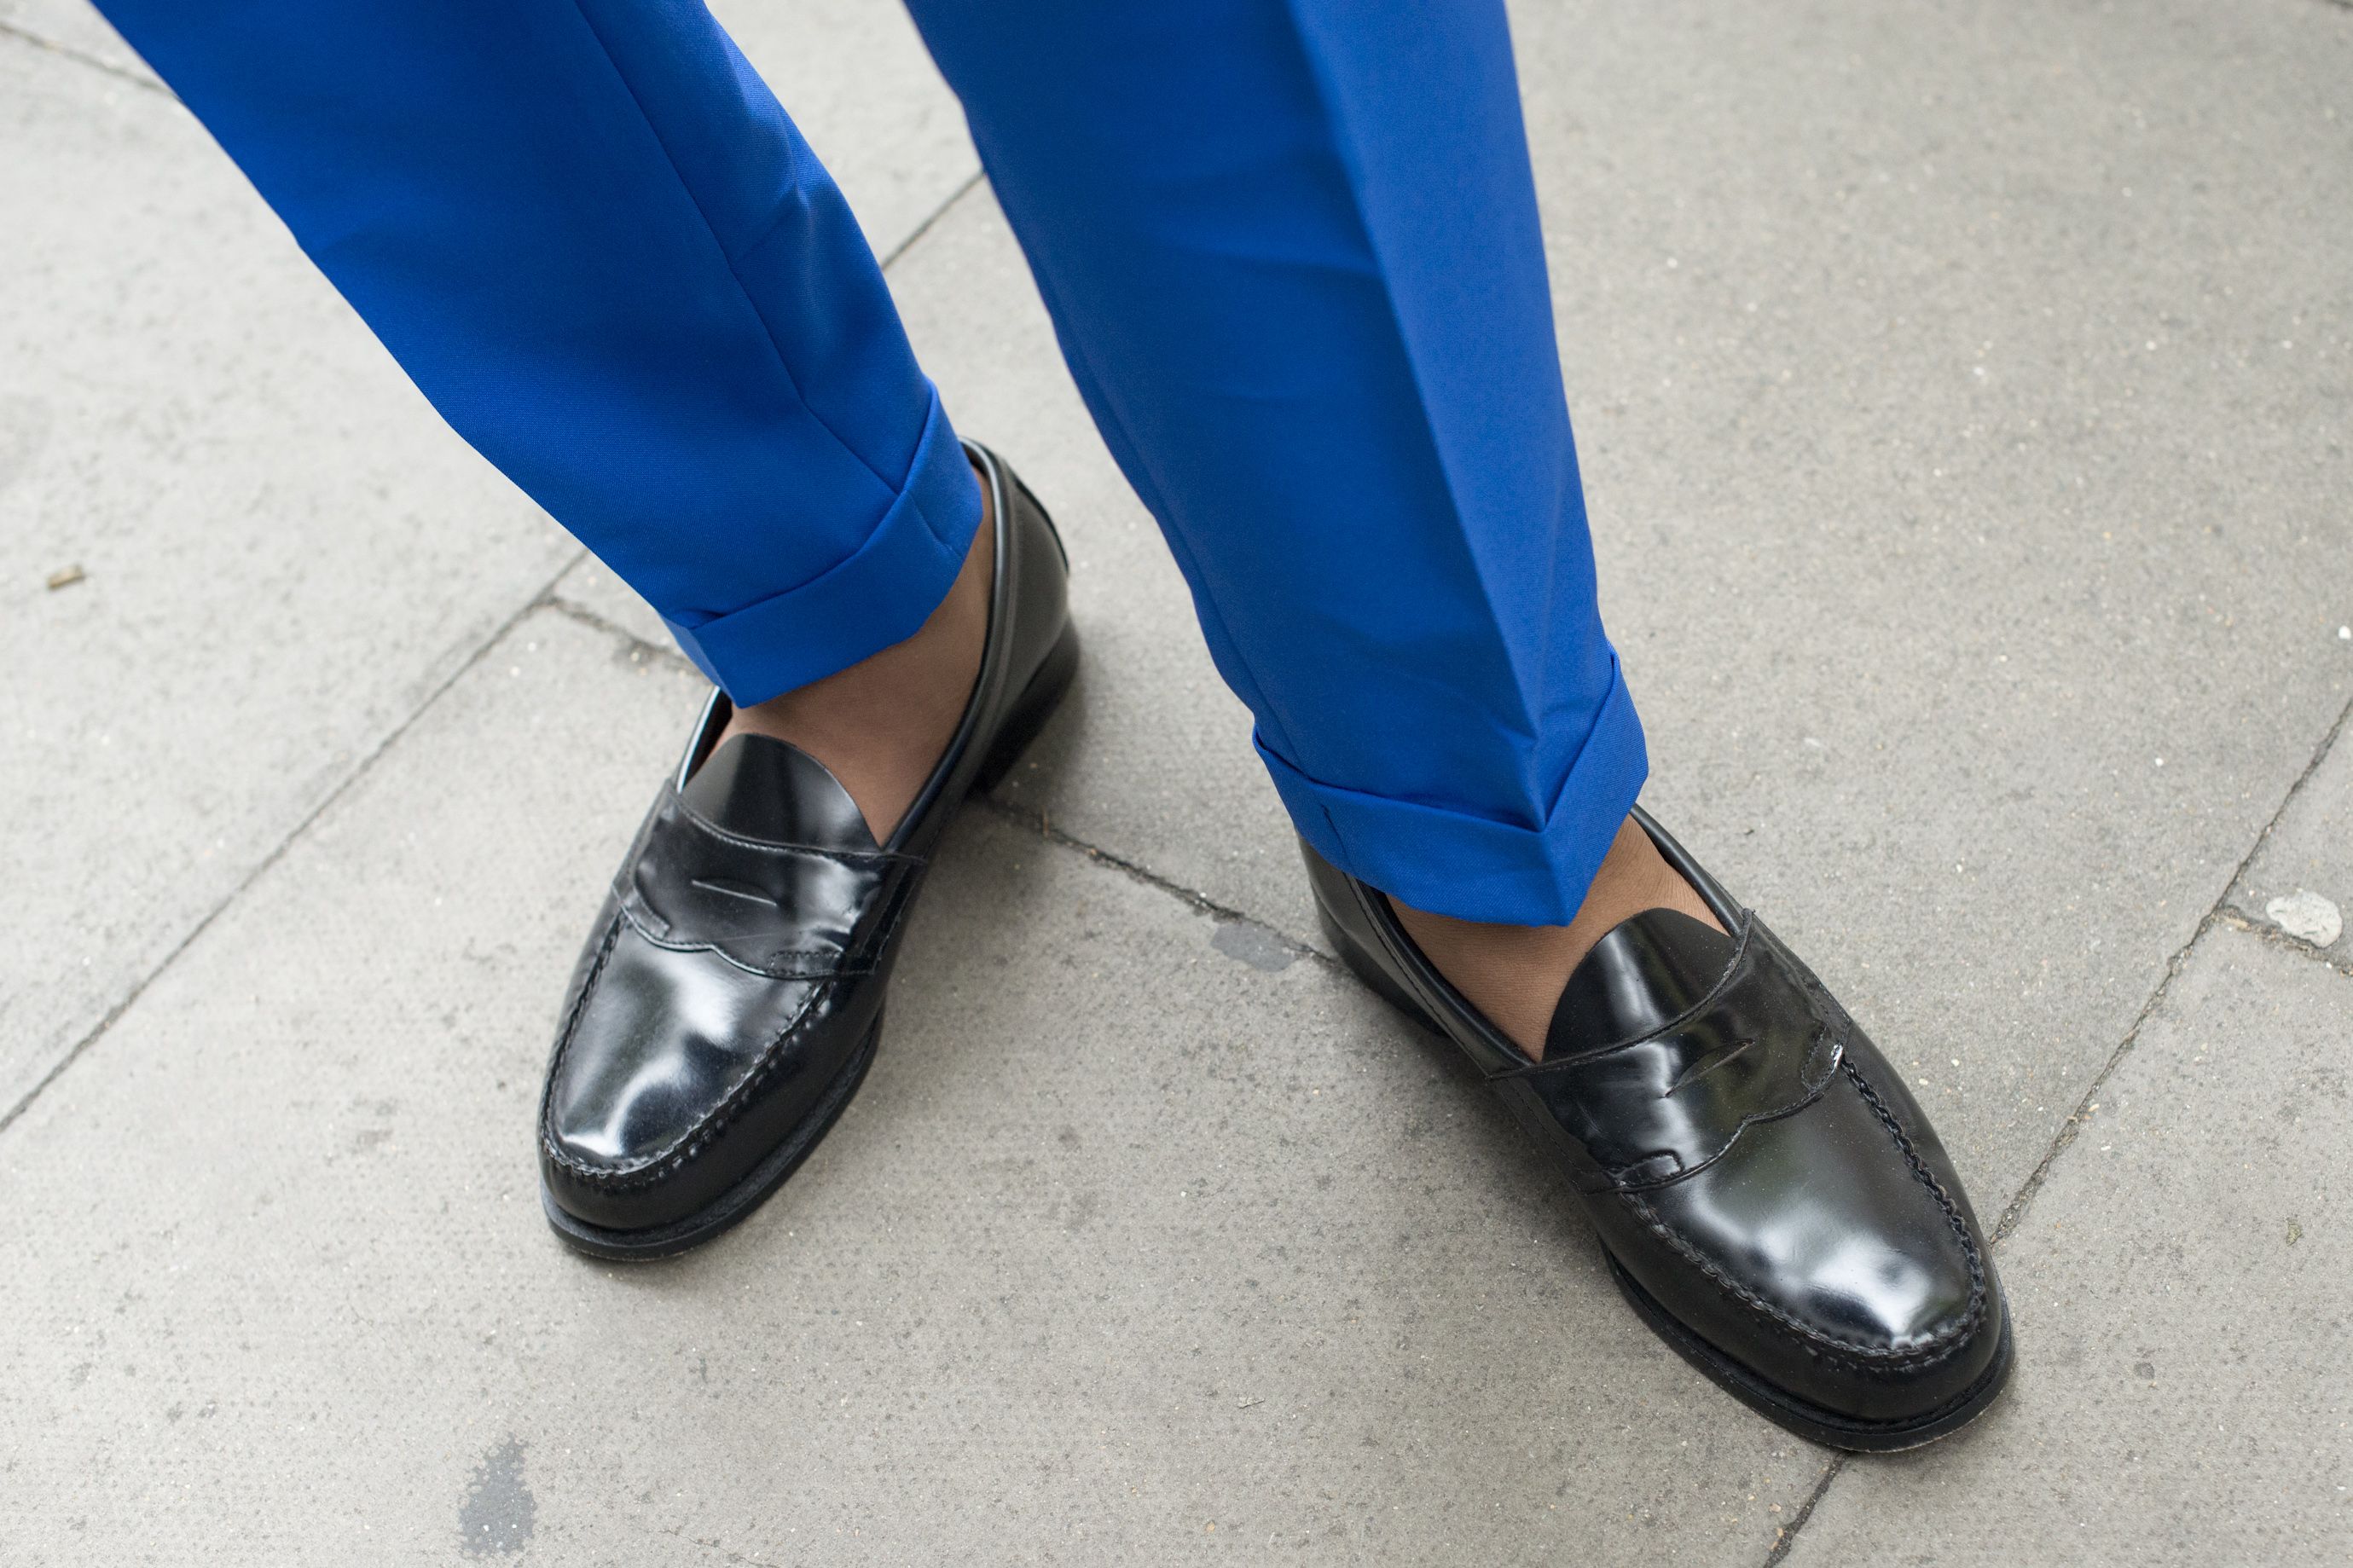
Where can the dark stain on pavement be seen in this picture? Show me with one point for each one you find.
(1253, 944)
(496, 1517)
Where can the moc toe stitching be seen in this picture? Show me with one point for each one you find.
(580, 1004)
(564, 1035)
(1907, 1355)
(1974, 1315)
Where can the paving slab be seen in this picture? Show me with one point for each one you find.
(1130, 1251)
(2301, 880)
(1961, 393)
(2180, 1287)
(283, 547)
(282, 550)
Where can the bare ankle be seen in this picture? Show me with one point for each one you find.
(1515, 974)
(881, 725)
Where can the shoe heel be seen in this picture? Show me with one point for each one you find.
(1362, 965)
(1031, 711)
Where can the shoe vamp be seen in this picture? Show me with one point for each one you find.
(662, 1039)
(1819, 1214)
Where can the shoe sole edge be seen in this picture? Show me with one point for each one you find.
(1803, 1417)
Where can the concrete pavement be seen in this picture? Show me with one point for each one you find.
(1963, 396)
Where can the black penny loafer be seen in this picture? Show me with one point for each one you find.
(730, 1000)
(1770, 1200)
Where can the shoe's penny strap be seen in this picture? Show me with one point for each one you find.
(1763, 1044)
(787, 910)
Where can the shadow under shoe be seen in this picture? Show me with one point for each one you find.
(732, 997)
(1772, 1202)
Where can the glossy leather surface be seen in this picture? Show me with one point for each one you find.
(733, 986)
(1754, 1168)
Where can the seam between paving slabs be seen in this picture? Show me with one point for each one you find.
(661, 653)
(67, 52)
(545, 598)
(2219, 914)
(937, 213)
(1786, 1536)
(358, 770)
(2272, 936)
(1038, 823)
(1035, 822)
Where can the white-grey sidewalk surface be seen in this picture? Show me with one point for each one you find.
(1966, 397)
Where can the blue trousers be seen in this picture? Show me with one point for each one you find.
(1289, 248)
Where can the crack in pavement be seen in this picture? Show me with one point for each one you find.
(2219, 913)
(1786, 1536)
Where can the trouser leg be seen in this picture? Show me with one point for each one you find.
(1292, 252)
(588, 232)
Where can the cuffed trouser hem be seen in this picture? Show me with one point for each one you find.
(1477, 867)
(880, 595)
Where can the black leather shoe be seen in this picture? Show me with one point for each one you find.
(732, 996)
(1770, 1200)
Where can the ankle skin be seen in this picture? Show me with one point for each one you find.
(881, 725)
(1515, 974)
